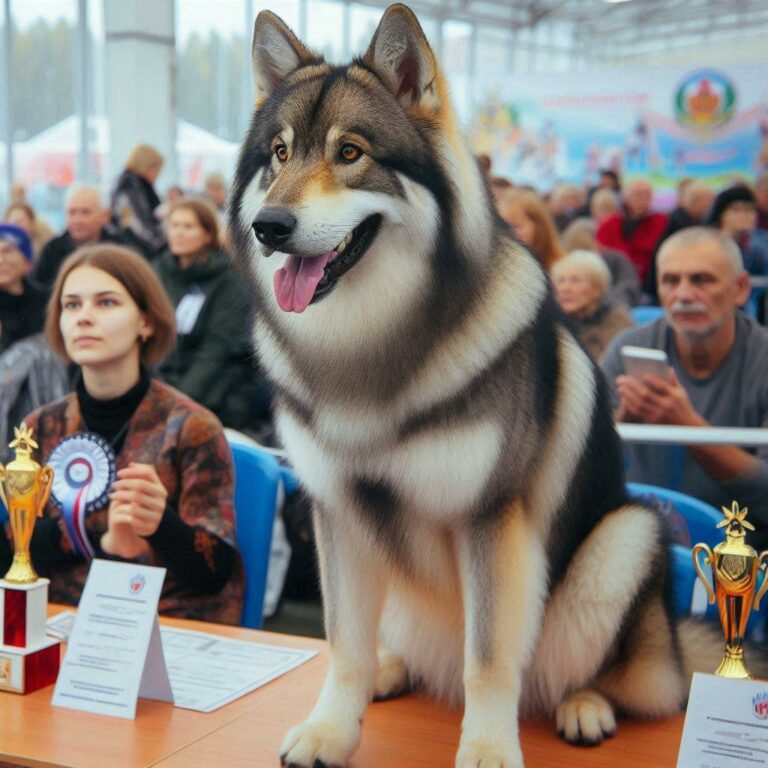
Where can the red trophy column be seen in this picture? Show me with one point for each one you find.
(29, 659)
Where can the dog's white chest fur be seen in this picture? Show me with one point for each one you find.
(437, 473)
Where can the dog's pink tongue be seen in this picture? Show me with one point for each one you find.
(296, 280)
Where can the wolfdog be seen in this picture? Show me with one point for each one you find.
(474, 533)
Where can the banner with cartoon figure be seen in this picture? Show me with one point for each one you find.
(661, 123)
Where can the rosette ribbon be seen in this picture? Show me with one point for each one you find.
(83, 472)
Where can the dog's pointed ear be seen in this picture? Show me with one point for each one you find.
(275, 53)
(401, 55)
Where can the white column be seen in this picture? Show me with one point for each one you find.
(7, 84)
(141, 81)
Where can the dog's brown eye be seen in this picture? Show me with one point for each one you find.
(350, 153)
(281, 152)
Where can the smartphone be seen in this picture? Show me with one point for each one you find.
(639, 361)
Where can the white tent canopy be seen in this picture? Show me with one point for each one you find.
(50, 157)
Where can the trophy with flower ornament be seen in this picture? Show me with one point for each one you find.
(29, 659)
(734, 566)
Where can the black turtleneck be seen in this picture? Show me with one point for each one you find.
(109, 418)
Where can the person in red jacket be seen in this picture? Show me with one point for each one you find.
(637, 231)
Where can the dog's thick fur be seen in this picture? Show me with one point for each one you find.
(456, 441)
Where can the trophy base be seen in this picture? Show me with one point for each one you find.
(732, 666)
(23, 612)
(23, 670)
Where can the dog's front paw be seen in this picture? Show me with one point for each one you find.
(319, 744)
(585, 719)
(488, 754)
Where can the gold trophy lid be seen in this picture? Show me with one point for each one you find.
(24, 444)
(735, 526)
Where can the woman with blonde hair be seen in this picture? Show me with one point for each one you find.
(210, 361)
(532, 224)
(581, 281)
(158, 469)
(580, 235)
(135, 201)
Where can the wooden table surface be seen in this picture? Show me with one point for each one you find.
(411, 732)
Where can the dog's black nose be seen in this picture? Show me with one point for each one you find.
(273, 226)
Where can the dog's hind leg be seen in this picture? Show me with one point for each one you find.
(392, 679)
(648, 678)
(353, 589)
(503, 576)
(606, 631)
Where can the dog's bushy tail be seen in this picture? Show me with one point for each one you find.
(703, 645)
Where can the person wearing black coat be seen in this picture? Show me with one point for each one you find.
(211, 361)
(135, 201)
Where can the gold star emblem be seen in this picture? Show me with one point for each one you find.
(23, 440)
(735, 517)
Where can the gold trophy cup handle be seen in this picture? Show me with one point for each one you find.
(46, 483)
(764, 588)
(710, 560)
(2, 488)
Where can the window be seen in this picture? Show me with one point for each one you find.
(46, 141)
(325, 29)
(363, 23)
(215, 95)
(457, 63)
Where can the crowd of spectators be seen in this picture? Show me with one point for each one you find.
(145, 294)
(129, 326)
(705, 263)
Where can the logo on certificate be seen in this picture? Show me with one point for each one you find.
(760, 705)
(136, 584)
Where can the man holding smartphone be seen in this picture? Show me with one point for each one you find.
(717, 375)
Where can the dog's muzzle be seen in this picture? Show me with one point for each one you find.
(273, 226)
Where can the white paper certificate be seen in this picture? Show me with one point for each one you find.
(726, 724)
(111, 642)
(207, 671)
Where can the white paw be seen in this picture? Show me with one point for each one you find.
(319, 744)
(585, 718)
(488, 754)
(392, 678)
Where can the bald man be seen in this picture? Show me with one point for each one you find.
(718, 356)
(87, 223)
(637, 229)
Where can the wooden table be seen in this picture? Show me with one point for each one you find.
(407, 733)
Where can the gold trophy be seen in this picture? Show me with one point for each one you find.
(734, 565)
(29, 659)
(26, 492)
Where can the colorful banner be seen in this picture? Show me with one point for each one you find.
(661, 123)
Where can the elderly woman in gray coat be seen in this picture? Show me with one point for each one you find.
(582, 281)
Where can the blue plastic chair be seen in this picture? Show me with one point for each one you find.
(700, 517)
(642, 315)
(752, 307)
(260, 484)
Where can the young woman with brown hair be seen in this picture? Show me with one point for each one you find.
(171, 502)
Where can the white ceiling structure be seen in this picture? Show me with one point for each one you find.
(610, 28)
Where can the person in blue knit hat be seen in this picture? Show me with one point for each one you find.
(22, 304)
